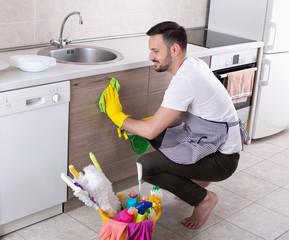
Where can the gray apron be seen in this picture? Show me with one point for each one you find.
(195, 139)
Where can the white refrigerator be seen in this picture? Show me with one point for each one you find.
(265, 20)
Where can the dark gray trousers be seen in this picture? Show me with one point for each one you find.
(176, 178)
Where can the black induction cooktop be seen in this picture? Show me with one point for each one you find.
(210, 39)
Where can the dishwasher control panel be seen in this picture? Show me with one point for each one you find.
(31, 98)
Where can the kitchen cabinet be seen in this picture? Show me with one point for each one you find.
(141, 92)
(92, 131)
(158, 83)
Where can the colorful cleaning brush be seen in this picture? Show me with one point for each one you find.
(79, 192)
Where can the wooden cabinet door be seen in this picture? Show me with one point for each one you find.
(158, 83)
(92, 130)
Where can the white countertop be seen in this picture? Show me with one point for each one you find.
(134, 49)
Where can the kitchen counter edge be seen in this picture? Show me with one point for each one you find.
(134, 49)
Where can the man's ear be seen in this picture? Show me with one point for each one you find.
(175, 49)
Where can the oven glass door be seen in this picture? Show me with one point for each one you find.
(243, 107)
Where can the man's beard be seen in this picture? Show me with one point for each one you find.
(164, 68)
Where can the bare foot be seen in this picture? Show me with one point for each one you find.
(201, 211)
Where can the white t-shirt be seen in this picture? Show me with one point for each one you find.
(195, 89)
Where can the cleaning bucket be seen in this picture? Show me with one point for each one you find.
(123, 237)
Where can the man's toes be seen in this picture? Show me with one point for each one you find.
(186, 220)
(191, 225)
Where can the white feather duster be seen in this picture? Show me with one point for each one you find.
(99, 187)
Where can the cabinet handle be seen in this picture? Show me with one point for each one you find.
(99, 80)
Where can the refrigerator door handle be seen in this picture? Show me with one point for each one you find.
(266, 67)
(269, 37)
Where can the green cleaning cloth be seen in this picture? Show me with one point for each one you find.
(139, 144)
(114, 83)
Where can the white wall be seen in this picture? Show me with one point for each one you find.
(27, 22)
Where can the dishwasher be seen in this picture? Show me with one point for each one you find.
(33, 154)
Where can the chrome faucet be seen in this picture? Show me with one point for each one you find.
(62, 42)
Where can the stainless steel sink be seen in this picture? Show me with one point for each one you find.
(82, 54)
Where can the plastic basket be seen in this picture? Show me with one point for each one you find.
(123, 237)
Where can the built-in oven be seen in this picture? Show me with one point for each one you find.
(223, 64)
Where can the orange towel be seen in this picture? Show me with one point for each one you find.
(239, 84)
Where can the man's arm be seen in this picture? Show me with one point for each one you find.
(151, 128)
(163, 118)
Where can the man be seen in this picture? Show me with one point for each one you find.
(196, 129)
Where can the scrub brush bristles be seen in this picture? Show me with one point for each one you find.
(157, 201)
(157, 191)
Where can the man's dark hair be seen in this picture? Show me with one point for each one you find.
(171, 32)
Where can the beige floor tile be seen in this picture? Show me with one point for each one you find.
(229, 202)
(261, 221)
(12, 236)
(263, 149)
(225, 230)
(286, 186)
(61, 227)
(162, 233)
(280, 139)
(88, 216)
(247, 186)
(270, 172)
(173, 214)
(247, 160)
(281, 158)
(285, 236)
(277, 201)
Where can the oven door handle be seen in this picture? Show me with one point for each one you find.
(224, 75)
(219, 76)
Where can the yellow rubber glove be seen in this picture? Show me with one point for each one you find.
(113, 106)
(147, 118)
(121, 132)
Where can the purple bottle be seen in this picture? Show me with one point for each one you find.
(126, 215)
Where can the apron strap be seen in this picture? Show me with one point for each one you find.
(244, 133)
